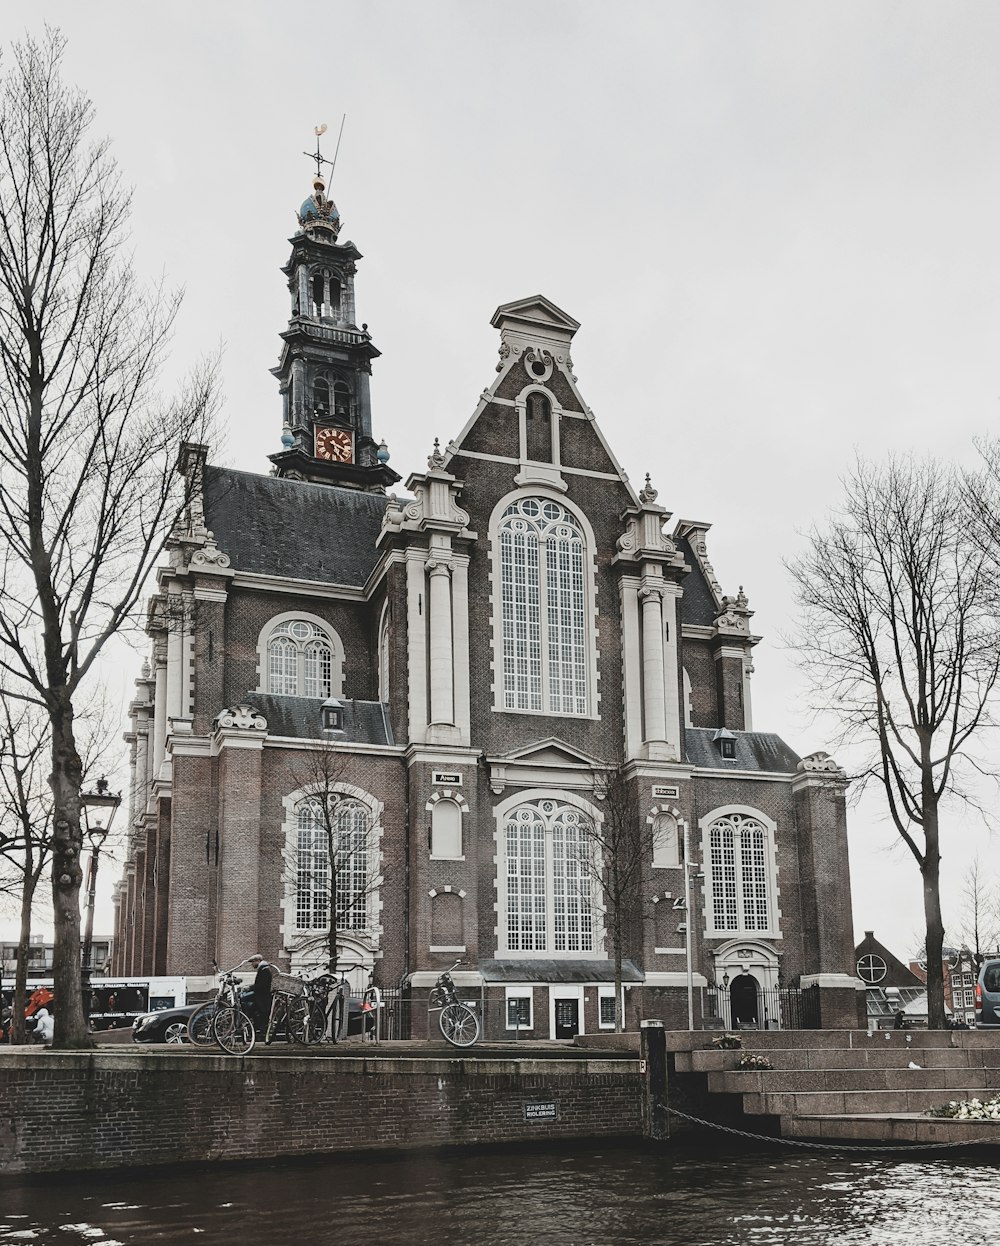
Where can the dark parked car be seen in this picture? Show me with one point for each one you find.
(988, 996)
(169, 1025)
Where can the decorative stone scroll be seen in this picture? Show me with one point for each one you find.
(820, 762)
(242, 718)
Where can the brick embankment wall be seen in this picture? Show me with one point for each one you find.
(111, 1109)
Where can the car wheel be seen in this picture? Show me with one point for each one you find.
(175, 1032)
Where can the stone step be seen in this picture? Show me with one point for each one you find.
(759, 1040)
(849, 1058)
(891, 1129)
(849, 1102)
(799, 1081)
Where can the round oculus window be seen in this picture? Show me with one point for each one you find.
(872, 969)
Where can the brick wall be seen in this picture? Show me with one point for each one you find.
(110, 1109)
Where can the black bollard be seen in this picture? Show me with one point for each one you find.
(653, 1069)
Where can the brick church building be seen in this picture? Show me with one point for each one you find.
(443, 675)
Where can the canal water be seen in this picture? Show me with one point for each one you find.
(598, 1196)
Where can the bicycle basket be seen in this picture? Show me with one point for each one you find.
(287, 984)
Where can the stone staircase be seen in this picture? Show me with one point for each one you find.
(847, 1084)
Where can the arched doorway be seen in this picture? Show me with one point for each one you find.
(743, 1001)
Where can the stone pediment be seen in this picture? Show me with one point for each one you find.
(535, 310)
(543, 763)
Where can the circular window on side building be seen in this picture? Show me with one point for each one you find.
(872, 969)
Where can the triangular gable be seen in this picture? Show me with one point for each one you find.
(550, 752)
(536, 309)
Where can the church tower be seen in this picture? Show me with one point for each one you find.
(325, 365)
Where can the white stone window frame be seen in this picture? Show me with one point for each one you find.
(608, 992)
(456, 798)
(329, 632)
(519, 993)
(712, 931)
(553, 464)
(500, 812)
(291, 932)
(672, 811)
(590, 610)
(383, 653)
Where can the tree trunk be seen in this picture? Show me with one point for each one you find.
(67, 877)
(930, 871)
(619, 1007)
(18, 1030)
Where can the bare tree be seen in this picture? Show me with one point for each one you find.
(333, 869)
(980, 912)
(88, 490)
(898, 634)
(614, 854)
(25, 827)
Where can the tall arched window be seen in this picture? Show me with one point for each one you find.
(299, 660)
(383, 657)
(666, 841)
(538, 428)
(548, 879)
(740, 874)
(333, 842)
(543, 608)
(446, 830)
(342, 402)
(321, 396)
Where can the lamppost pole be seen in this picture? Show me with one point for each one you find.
(688, 923)
(103, 799)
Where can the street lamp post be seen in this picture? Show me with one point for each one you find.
(100, 799)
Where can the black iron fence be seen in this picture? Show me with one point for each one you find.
(776, 1008)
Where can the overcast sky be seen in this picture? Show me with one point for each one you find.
(776, 223)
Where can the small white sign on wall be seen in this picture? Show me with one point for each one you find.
(450, 778)
(662, 792)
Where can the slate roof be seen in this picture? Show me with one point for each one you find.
(271, 526)
(755, 750)
(557, 971)
(365, 722)
(697, 605)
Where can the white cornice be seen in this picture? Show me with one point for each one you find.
(756, 775)
(292, 743)
(301, 588)
(566, 471)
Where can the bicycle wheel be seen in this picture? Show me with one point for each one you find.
(338, 1018)
(200, 1024)
(234, 1031)
(277, 1015)
(317, 1022)
(459, 1025)
(296, 1021)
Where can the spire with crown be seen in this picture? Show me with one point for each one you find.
(326, 357)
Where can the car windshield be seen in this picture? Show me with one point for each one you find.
(991, 978)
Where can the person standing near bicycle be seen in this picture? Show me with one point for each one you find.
(259, 995)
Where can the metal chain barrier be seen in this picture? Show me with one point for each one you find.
(826, 1146)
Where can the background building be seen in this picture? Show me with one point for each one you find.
(450, 672)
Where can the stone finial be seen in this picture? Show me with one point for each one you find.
(147, 670)
(648, 494)
(436, 460)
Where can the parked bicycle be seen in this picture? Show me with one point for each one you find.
(223, 1020)
(459, 1024)
(331, 1015)
(290, 1011)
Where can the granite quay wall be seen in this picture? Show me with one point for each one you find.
(110, 1109)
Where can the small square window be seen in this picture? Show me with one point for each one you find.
(607, 1014)
(519, 1012)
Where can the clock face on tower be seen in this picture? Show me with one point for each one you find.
(336, 445)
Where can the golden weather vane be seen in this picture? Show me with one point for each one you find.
(318, 156)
